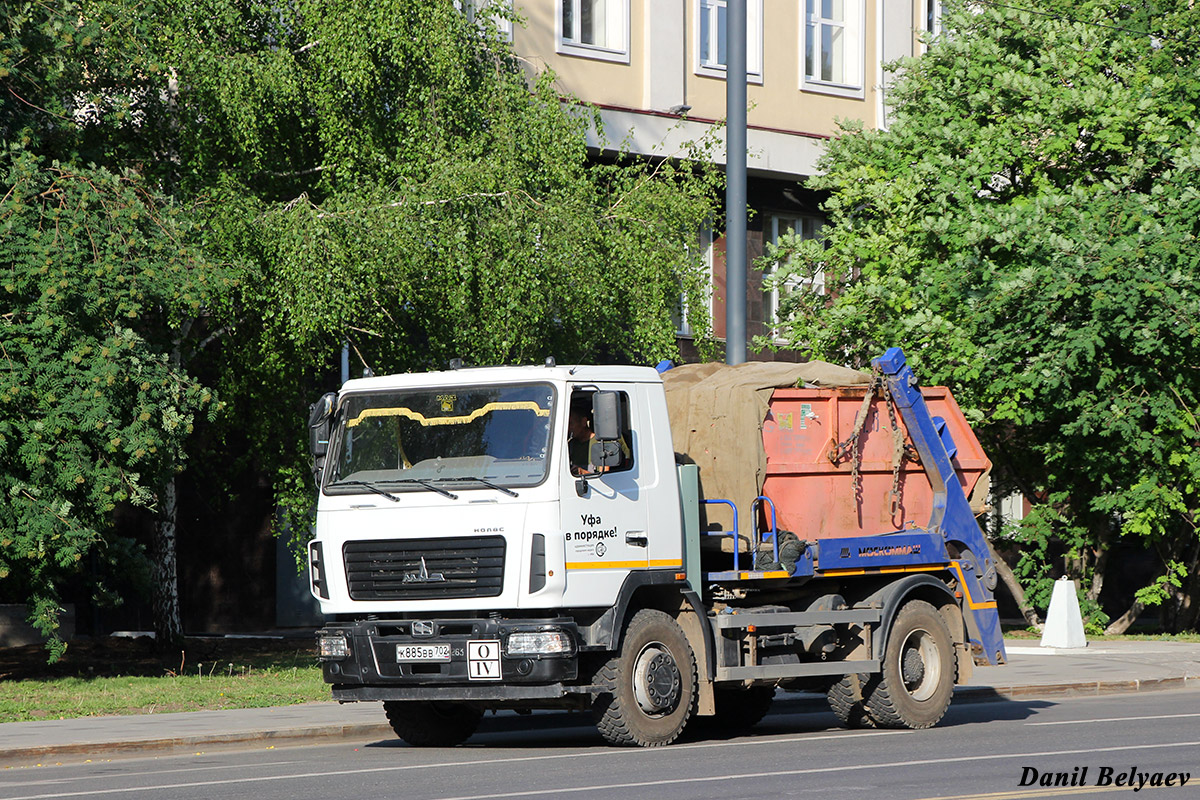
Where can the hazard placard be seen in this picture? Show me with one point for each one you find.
(483, 660)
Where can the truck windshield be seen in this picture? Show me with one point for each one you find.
(403, 441)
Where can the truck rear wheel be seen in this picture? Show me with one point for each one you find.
(846, 699)
(917, 680)
(650, 685)
(432, 724)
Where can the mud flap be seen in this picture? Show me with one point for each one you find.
(695, 628)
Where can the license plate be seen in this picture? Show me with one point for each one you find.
(422, 652)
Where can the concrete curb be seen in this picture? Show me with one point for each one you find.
(1084, 688)
(298, 735)
(39, 755)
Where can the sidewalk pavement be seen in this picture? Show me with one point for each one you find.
(1032, 672)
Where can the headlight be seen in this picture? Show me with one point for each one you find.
(332, 646)
(543, 643)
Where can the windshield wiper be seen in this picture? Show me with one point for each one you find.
(485, 482)
(428, 484)
(367, 485)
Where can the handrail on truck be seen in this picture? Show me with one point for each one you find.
(774, 527)
(734, 531)
(773, 533)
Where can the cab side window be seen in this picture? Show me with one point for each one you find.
(580, 435)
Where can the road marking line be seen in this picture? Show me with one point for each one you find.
(94, 761)
(1112, 719)
(610, 787)
(817, 770)
(433, 765)
(216, 767)
(790, 739)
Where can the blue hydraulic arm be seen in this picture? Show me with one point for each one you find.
(952, 518)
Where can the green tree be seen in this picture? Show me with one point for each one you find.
(381, 174)
(406, 185)
(93, 413)
(402, 184)
(1026, 229)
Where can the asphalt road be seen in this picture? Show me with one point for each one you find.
(981, 751)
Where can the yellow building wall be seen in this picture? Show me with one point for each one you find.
(589, 79)
(776, 101)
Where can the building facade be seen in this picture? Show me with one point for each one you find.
(655, 69)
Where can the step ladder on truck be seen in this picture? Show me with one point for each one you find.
(649, 547)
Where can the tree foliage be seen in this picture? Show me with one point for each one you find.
(405, 184)
(402, 184)
(286, 178)
(1026, 229)
(92, 412)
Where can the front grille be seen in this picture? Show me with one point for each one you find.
(392, 569)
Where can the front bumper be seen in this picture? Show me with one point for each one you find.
(478, 665)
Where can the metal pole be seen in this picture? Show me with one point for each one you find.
(345, 361)
(735, 183)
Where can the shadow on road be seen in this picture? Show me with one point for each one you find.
(560, 730)
(985, 705)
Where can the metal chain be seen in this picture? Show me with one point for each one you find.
(900, 449)
(897, 448)
(849, 446)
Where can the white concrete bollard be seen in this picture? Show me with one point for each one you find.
(1064, 622)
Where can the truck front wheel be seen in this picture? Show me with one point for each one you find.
(432, 724)
(917, 680)
(649, 686)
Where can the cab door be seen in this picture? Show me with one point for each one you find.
(604, 515)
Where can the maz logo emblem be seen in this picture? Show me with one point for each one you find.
(422, 627)
(424, 575)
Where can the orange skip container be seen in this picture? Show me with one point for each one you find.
(817, 498)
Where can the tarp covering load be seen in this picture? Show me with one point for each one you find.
(717, 413)
(823, 442)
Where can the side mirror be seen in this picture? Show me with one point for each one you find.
(606, 424)
(320, 424)
(606, 416)
(320, 415)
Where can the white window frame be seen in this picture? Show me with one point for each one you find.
(1006, 509)
(931, 16)
(712, 67)
(567, 42)
(853, 26)
(705, 242)
(778, 225)
(474, 9)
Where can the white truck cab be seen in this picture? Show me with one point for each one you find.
(464, 499)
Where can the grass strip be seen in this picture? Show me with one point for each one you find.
(253, 683)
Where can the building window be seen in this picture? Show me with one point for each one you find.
(594, 29)
(711, 51)
(779, 226)
(705, 244)
(932, 16)
(833, 46)
(480, 10)
(1006, 511)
